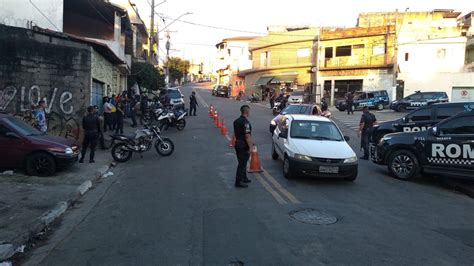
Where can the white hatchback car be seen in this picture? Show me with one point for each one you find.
(313, 146)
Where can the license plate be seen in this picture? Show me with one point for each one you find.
(329, 169)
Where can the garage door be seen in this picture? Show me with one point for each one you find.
(462, 94)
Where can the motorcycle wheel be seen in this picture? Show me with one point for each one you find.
(181, 124)
(120, 153)
(164, 147)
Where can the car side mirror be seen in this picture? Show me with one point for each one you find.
(404, 119)
(347, 138)
(283, 135)
(434, 131)
(12, 135)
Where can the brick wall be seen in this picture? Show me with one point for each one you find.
(36, 66)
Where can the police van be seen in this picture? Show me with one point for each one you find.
(445, 149)
(373, 99)
(419, 120)
(419, 99)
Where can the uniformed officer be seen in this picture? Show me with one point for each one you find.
(366, 128)
(91, 126)
(243, 145)
(192, 104)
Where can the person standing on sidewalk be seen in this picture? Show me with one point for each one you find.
(91, 126)
(366, 128)
(107, 114)
(101, 125)
(243, 145)
(193, 104)
(119, 114)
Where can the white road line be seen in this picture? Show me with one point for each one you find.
(228, 137)
(203, 103)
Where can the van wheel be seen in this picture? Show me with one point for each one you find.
(40, 164)
(380, 106)
(403, 165)
(401, 109)
(287, 170)
(274, 154)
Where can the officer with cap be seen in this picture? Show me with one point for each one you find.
(366, 128)
(91, 126)
(243, 145)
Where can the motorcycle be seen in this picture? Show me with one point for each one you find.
(172, 117)
(254, 98)
(276, 108)
(140, 142)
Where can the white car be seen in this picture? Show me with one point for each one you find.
(313, 146)
(296, 97)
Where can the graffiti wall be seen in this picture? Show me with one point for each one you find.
(35, 66)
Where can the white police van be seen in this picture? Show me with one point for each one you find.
(446, 149)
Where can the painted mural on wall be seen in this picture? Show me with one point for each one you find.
(22, 102)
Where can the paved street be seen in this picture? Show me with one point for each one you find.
(184, 210)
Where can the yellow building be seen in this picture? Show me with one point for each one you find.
(355, 59)
(282, 60)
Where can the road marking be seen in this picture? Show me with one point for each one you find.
(228, 137)
(203, 103)
(278, 186)
(270, 189)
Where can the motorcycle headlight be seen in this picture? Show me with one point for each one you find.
(351, 159)
(273, 123)
(302, 157)
(68, 151)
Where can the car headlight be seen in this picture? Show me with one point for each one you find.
(385, 138)
(302, 157)
(273, 123)
(351, 159)
(68, 151)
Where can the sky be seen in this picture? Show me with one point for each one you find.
(197, 42)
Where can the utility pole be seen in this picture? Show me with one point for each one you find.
(168, 46)
(152, 30)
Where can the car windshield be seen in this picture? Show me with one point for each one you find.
(317, 130)
(174, 94)
(292, 109)
(297, 93)
(24, 128)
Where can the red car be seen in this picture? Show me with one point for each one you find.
(23, 146)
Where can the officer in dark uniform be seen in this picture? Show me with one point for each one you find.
(91, 126)
(243, 144)
(192, 104)
(366, 128)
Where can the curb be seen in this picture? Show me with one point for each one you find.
(8, 250)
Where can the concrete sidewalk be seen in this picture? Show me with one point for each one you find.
(28, 204)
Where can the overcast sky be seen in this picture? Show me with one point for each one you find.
(255, 15)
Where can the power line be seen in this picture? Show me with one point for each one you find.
(39, 10)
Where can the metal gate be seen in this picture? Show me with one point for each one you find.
(97, 94)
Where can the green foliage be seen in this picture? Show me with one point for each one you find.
(178, 68)
(147, 76)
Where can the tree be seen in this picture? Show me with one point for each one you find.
(147, 76)
(178, 68)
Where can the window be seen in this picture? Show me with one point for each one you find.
(378, 49)
(265, 59)
(303, 52)
(445, 112)
(318, 130)
(4, 130)
(358, 46)
(328, 52)
(420, 115)
(406, 57)
(343, 51)
(414, 97)
(458, 126)
(370, 95)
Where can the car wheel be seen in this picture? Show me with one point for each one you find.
(40, 164)
(287, 170)
(352, 177)
(403, 165)
(274, 154)
(380, 106)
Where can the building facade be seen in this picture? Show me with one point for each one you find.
(282, 61)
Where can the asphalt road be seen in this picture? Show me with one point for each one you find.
(184, 210)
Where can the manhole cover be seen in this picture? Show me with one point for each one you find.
(312, 216)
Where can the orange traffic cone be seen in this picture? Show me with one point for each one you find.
(223, 129)
(211, 111)
(220, 123)
(216, 120)
(255, 166)
(232, 142)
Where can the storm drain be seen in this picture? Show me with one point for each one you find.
(312, 216)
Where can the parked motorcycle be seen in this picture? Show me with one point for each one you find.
(140, 142)
(254, 98)
(276, 108)
(172, 117)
